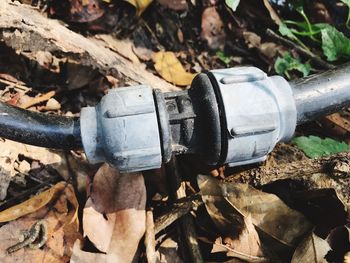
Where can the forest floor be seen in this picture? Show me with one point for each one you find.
(57, 57)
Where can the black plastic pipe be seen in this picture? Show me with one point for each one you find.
(51, 131)
(322, 94)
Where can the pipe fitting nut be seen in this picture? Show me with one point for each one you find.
(123, 130)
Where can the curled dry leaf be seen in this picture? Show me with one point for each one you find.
(213, 28)
(170, 68)
(269, 214)
(31, 205)
(117, 232)
(57, 209)
(312, 249)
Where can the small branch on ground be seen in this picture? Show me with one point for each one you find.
(313, 57)
(27, 31)
(188, 232)
(326, 172)
(175, 213)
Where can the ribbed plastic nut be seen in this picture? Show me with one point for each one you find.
(259, 111)
(123, 130)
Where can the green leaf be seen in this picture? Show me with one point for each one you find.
(315, 147)
(233, 4)
(347, 2)
(222, 56)
(287, 64)
(286, 31)
(334, 43)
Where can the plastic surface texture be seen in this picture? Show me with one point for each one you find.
(47, 130)
(123, 130)
(257, 112)
(322, 94)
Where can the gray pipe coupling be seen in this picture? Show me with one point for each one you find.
(229, 116)
(259, 111)
(123, 130)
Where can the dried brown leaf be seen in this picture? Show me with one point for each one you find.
(312, 249)
(92, 219)
(31, 205)
(170, 68)
(122, 198)
(61, 220)
(269, 214)
(246, 246)
(112, 191)
(213, 28)
(248, 241)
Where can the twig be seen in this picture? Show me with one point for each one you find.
(186, 222)
(268, 174)
(313, 57)
(16, 85)
(38, 100)
(150, 241)
(334, 169)
(175, 213)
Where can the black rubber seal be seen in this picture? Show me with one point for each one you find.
(207, 124)
(222, 117)
(163, 125)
